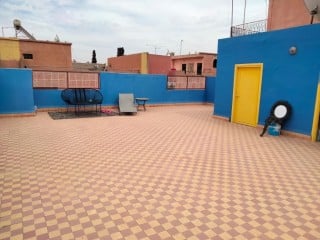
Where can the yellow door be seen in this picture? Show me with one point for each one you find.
(246, 93)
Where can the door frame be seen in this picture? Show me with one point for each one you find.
(316, 115)
(236, 69)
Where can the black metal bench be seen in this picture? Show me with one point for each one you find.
(81, 97)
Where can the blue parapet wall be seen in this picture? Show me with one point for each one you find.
(16, 91)
(141, 85)
(285, 77)
(150, 86)
(48, 98)
(210, 89)
(18, 96)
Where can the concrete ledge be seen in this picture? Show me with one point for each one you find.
(176, 104)
(296, 135)
(18, 115)
(221, 118)
(289, 133)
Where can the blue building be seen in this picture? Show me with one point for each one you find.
(255, 71)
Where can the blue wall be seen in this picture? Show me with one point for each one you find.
(111, 84)
(48, 98)
(16, 85)
(285, 77)
(210, 89)
(150, 86)
(16, 91)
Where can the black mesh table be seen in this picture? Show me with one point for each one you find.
(142, 102)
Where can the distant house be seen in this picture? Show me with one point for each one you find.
(34, 54)
(143, 63)
(85, 67)
(195, 64)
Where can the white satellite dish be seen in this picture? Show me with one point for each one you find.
(314, 8)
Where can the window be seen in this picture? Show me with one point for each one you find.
(214, 65)
(27, 56)
(184, 67)
(199, 68)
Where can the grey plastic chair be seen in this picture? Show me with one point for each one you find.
(126, 103)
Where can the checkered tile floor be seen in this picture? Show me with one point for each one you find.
(167, 173)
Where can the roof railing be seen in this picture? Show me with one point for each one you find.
(249, 28)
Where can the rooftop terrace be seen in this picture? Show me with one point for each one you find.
(172, 172)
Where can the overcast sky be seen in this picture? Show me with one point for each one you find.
(137, 25)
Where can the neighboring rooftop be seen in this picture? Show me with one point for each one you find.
(77, 66)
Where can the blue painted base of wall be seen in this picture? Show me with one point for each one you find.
(48, 98)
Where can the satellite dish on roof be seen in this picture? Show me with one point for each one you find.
(314, 8)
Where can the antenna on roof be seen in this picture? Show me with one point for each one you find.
(19, 29)
(314, 9)
(57, 39)
(156, 47)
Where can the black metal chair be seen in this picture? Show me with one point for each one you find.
(81, 97)
(280, 112)
(68, 97)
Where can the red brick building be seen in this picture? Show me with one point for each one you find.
(195, 64)
(143, 63)
(34, 54)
